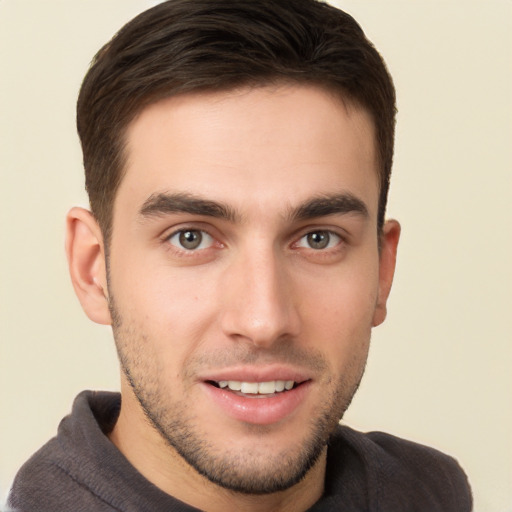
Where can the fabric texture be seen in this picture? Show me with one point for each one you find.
(80, 470)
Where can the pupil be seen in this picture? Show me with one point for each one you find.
(318, 240)
(190, 239)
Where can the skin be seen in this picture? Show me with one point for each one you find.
(257, 297)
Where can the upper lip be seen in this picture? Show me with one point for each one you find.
(257, 374)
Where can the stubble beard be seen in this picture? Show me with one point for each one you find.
(251, 471)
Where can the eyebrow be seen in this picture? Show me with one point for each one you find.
(322, 206)
(165, 203)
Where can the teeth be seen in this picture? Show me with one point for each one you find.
(250, 387)
(234, 385)
(267, 387)
(254, 388)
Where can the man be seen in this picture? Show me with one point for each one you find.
(237, 158)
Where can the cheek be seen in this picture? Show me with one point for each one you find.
(171, 307)
(339, 313)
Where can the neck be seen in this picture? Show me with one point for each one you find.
(159, 463)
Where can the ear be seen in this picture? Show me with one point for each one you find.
(387, 259)
(86, 260)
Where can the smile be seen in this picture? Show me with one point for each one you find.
(268, 388)
(257, 402)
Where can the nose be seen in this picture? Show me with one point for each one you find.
(258, 302)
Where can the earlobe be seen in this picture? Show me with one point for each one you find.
(387, 260)
(86, 260)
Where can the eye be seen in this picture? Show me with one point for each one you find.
(319, 240)
(191, 239)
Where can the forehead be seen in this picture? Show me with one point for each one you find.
(259, 147)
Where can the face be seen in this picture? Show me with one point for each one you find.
(245, 277)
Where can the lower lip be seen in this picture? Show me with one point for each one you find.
(258, 410)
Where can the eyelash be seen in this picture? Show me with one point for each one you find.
(330, 236)
(210, 241)
(182, 232)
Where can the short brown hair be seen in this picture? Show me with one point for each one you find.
(182, 46)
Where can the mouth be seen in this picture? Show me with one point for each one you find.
(258, 395)
(257, 402)
(265, 389)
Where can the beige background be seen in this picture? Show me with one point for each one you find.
(439, 371)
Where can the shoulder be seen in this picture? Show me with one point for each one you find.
(53, 478)
(43, 484)
(400, 473)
